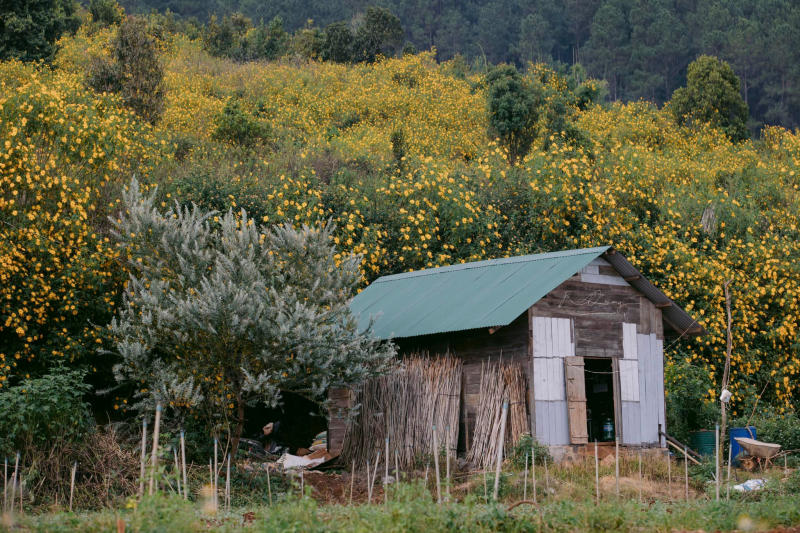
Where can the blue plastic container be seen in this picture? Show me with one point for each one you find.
(740, 432)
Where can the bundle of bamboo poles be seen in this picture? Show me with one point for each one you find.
(499, 382)
(404, 406)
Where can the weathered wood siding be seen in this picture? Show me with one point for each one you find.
(606, 317)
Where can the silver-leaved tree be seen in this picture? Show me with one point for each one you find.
(220, 313)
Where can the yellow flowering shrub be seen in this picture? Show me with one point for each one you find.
(637, 181)
(63, 156)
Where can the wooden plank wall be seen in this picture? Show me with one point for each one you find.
(608, 318)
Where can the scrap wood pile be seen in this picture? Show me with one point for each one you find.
(499, 382)
(405, 406)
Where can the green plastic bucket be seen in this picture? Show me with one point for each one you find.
(702, 442)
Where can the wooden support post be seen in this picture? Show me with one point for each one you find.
(436, 466)
(396, 467)
(154, 454)
(596, 474)
(369, 485)
(447, 461)
(144, 455)
(546, 477)
(485, 489)
(14, 481)
(211, 482)
(375, 473)
(500, 444)
(183, 467)
(72, 484)
(5, 483)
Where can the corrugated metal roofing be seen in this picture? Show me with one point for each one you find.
(491, 293)
(466, 296)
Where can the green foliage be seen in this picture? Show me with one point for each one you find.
(29, 29)
(134, 70)
(44, 412)
(235, 36)
(237, 126)
(513, 110)
(522, 449)
(106, 12)
(711, 96)
(220, 313)
(688, 405)
(398, 140)
(783, 429)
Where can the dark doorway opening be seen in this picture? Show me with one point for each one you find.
(296, 422)
(600, 420)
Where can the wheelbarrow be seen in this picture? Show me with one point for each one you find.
(760, 452)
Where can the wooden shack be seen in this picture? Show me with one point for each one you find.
(586, 326)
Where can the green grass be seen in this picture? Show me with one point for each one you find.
(411, 508)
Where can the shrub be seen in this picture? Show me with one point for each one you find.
(522, 449)
(44, 412)
(688, 406)
(106, 12)
(513, 110)
(236, 126)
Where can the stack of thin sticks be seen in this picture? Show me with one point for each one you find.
(405, 406)
(499, 382)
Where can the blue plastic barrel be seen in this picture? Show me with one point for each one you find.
(740, 432)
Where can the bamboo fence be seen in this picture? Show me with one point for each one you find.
(405, 406)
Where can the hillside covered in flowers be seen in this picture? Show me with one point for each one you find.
(397, 154)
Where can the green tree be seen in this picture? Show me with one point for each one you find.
(134, 70)
(234, 125)
(29, 29)
(220, 313)
(338, 43)
(513, 110)
(264, 42)
(712, 95)
(379, 34)
(106, 12)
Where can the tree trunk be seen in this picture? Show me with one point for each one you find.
(238, 429)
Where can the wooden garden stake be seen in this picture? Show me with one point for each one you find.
(436, 466)
(616, 464)
(596, 474)
(447, 460)
(396, 467)
(228, 484)
(669, 477)
(177, 469)
(686, 473)
(369, 485)
(72, 484)
(533, 471)
(502, 438)
(546, 477)
(215, 477)
(211, 483)
(269, 487)
(5, 483)
(352, 480)
(525, 479)
(386, 473)
(154, 454)
(302, 485)
(716, 461)
(728, 480)
(375, 474)
(14, 481)
(485, 490)
(183, 467)
(144, 455)
(640, 476)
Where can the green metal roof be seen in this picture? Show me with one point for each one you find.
(466, 296)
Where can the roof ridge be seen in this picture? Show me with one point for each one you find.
(492, 262)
